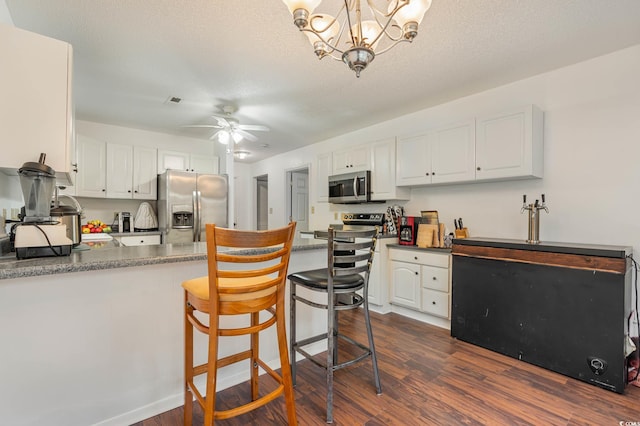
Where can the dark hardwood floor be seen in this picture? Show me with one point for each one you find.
(429, 378)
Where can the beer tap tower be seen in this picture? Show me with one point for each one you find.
(534, 218)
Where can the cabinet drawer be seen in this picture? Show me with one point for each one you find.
(435, 278)
(440, 260)
(139, 241)
(435, 303)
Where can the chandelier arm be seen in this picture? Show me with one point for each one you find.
(395, 43)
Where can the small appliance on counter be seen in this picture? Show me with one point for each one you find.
(69, 216)
(146, 219)
(408, 230)
(38, 235)
(124, 222)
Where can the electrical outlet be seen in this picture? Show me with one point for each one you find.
(270, 210)
(313, 209)
(335, 215)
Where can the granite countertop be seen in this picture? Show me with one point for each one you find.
(549, 246)
(111, 257)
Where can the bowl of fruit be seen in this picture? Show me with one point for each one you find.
(96, 229)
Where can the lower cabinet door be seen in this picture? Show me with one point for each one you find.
(405, 284)
(435, 303)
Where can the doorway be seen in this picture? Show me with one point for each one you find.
(262, 202)
(298, 197)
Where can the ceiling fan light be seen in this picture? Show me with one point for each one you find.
(223, 137)
(237, 137)
(242, 154)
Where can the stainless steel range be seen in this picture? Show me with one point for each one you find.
(371, 219)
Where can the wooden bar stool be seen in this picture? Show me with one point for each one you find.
(259, 285)
(350, 254)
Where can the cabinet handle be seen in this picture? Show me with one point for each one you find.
(433, 303)
(104, 190)
(416, 273)
(478, 168)
(129, 191)
(135, 191)
(415, 257)
(433, 173)
(434, 278)
(427, 174)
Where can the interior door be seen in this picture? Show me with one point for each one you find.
(300, 199)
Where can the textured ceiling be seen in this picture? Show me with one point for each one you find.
(130, 56)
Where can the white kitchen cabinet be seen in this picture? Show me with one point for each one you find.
(138, 240)
(109, 170)
(442, 155)
(378, 281)
(199, 163)
(453, 153)
(119, 171)
(91, 179)
(509, 145)
(421, 280)
(323, 170)
(351, 160)
(405, 284)
(36, 111)
(145, 173)
(413, 160)
(383, 172)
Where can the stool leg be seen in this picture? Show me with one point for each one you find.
(331, 353)
(285, 365)
(255, 351)
(292, 327)
(372, 348)
(212, 369)
(188, 363)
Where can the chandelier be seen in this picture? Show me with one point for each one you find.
(349, 38)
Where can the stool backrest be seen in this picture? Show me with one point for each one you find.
(351, 252)
(244, 265)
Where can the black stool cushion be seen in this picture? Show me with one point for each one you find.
(318, 278)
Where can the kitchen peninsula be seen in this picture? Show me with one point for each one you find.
(100, 332)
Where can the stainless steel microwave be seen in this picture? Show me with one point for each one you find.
(350, 188)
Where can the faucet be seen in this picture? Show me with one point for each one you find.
(534, 217)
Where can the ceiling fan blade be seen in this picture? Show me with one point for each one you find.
(214, 135)
(222, 121)
(246, 135)
(254, 127)
(208, 126)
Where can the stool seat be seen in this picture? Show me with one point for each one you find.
(199, 287)
(319, 279)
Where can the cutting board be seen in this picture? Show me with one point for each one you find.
(428, 235)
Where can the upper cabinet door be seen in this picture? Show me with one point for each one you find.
(145, 173)
(510, 145)
(383, 172)
(323, 170)
(119, 171)
(351, 160)
(35, 107)
(204, 164)
(413, 161)
(453, 153)
(92, 168)
(173, 160)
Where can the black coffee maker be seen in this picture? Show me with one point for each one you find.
(408, 230)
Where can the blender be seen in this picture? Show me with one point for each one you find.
(38, 235)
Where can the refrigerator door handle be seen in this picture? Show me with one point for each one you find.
(196, 216)
(199, 234)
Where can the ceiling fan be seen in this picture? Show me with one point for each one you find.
(230, 128)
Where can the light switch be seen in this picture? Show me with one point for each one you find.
(270, 210)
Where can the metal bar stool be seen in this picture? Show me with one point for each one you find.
(350, 254)
(258, 286)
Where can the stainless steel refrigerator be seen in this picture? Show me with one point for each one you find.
(187, 201)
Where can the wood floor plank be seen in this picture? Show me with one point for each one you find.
(429, 378)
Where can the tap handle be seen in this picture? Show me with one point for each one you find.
(536, 204)
(524, 198)
(542, 196)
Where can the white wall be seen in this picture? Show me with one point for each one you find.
(591, 158)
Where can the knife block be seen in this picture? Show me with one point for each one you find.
(462, 233)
